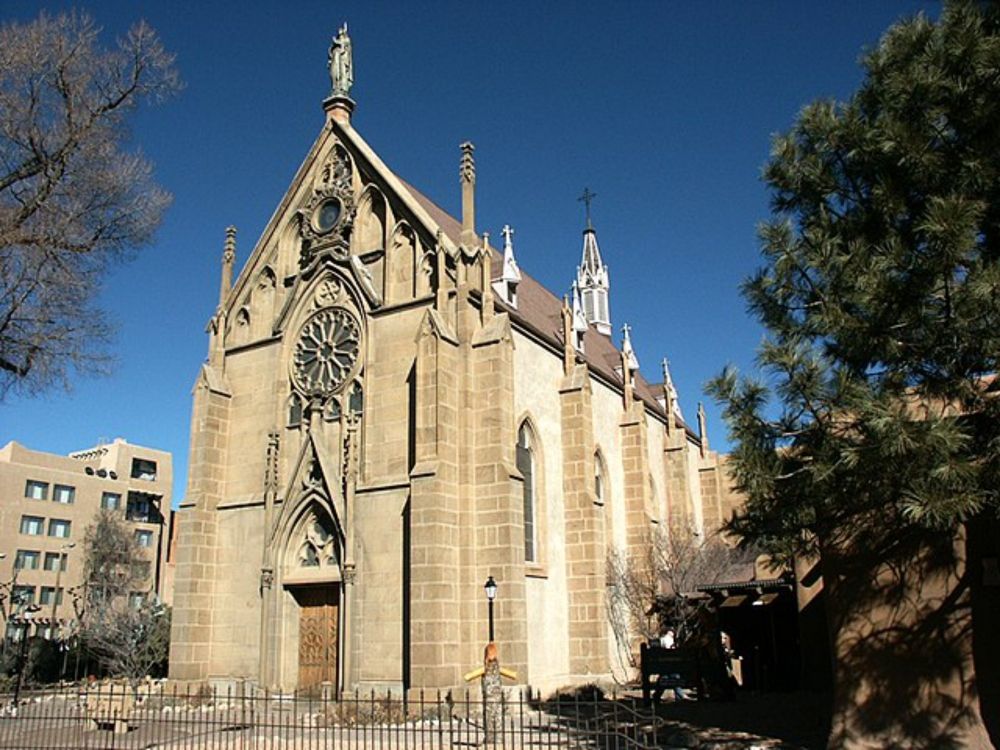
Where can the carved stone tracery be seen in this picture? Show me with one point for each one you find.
(326, 221)
(318, 548)
(326, 352)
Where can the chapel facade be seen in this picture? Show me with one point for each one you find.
(391, 412)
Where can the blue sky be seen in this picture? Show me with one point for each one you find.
(664, 109)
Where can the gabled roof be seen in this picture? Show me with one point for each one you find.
(539, 311)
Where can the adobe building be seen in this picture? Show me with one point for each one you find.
(50, 500)
(392, 411)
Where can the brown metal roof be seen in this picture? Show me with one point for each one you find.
(540, 311)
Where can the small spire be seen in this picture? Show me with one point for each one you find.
(486, 268)
(441, 293)
(228, 257)
(510, 273)
(569, 348)
(467, 177)
(579, 319)
(671, 390)
(627, 351)
(467, 165)
(580, 324)
(702, 428)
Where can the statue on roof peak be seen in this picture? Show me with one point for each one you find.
(341, 63)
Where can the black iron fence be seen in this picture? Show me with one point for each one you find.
(159, 716)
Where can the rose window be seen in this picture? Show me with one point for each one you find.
(326, 351)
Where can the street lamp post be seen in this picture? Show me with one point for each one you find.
(55, 595)
(26, 612)
(491, 593)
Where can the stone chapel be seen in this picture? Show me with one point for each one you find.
(391, 412)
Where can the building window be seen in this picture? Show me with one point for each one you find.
(36, 490)
(59, 528)
(50, 596)
(27, 559)
(142, 507)
(64, 494)
(32, 525)
(23, 595)
(143, 468)
(356, 402)
(600, 483)
(294, 410)
(526, 465)
(144, 538)
(55, 560)
(111, 501)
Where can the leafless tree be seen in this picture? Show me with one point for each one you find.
(129, 641)
(656, 586)
(73, 199)
(128, 636)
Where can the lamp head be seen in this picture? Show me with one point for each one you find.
(490, 588)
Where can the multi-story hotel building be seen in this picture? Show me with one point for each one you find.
(47, 501)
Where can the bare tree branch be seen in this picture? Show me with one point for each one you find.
(73, 201)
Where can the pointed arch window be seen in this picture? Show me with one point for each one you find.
(600, 480)
(356, 402)
(526, 465)
(294, 410)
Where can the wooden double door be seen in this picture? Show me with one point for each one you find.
(319, 622)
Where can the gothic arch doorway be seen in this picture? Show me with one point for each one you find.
(311, 580)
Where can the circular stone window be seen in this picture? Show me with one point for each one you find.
(326, 351)
(326, 215)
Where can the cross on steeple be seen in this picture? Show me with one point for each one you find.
(586, 199)
(507, 232)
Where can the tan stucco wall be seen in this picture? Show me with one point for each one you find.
(538, 373)
(18, 465)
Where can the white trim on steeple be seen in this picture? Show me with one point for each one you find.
(592, 278)
(506, 286)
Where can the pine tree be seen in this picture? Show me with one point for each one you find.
(872, 443)
(881, 299)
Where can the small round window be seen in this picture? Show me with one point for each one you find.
(326, 216)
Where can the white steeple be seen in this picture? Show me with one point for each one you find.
(627, 350)
(592, 276)
(506, 285)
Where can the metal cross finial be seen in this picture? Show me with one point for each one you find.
(507, 233)
(586, 199)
